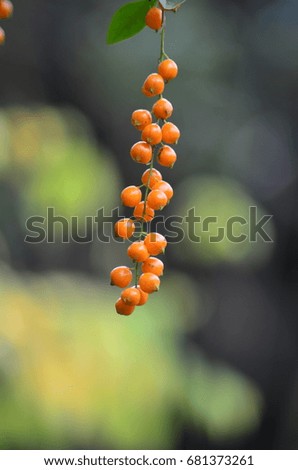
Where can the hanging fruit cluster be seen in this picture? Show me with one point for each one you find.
(6, 10)
(158, 135)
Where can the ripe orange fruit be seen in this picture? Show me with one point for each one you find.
(6, 9)
(2, 36)
(131, 296)
(162, 109)
(150, 177)
(167, 156)
(165, 187)
(141, 118)
(155, 243)
(168, 69)
(144, 297)
(138, 251)
(153, 265)
(152, 134)
(139, 213)
(154, 18)
(141, 152)
(157, 199)
(170, 133)
(121, 276)
(131, 196)
(122, 308)
(124, 228)
(149, 282)
(153, 85)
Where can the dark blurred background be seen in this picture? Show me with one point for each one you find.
(212, 360)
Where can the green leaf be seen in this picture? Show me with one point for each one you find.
(128, 20)
(171, 4)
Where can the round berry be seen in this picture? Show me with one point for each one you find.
(165, 187)
(162, 109)
(2, 36)
(154, 18)
(170, 133)
(131, 196)
(138, 251)
(155, 243)
(124, 228)
(141, 118)
(141, 152)
(6, 9)
(149, 282)
(157, 199)
(153, 85)
(142, 213)
(152, 134)
(168, 69)
(121, 276)
(150, 177)
(122, 308)
(167, 156)
(153, 265)
(131, 296)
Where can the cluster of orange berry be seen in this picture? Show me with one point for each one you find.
(6, 10)
(156, 138)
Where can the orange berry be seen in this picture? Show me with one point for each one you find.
(150, 177)
(165, 187)
(149, 282)
(2, 36)
(6, 9)
(155, 243)
(122, 308)
(121, 276)
(153, 85)
(152, 134)
(131, 296)
(141, 152)
(162, 109)
(141, 118)
(167, 156)
(168, 69)
(131, 196)
(138, 251)
(154, 18)
(144, 297)
(139, 213)
(124, 228)
(153, 265)
(170, 133)
(157, 199)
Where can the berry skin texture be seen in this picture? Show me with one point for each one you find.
(143, 297)
(157, 199)
(131, 296)
(2, 36)
(138, 251)
(121, 276)
(168, 69)
(152, 134)
(122, 308)
(167, 156)
(141, 152)
(154, 18)
(165, 187)
(153, 265)
(124, 228)
(6, 9)
(131, 196)
(155, 243)
(139, 212)
(149, 282)
(149, 179)
(170, 133)
(153, 85)
(162, 109)
(141, 118)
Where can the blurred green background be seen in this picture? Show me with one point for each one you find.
(211, 360)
